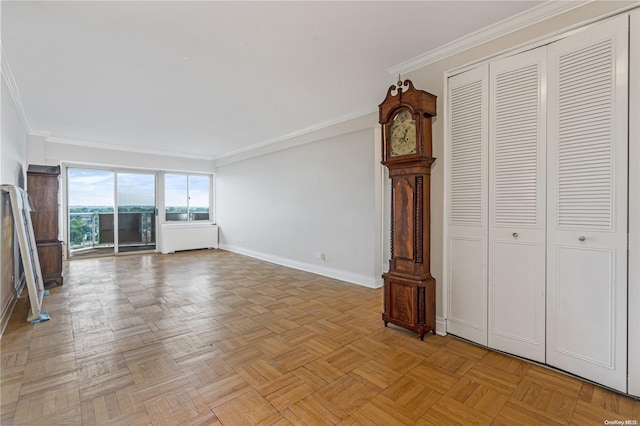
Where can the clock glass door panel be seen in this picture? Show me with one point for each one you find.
(403, 219)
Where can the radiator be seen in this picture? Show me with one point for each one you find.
(187, 236)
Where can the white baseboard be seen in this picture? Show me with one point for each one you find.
(441, 326)
(350, 277)
(7, 311)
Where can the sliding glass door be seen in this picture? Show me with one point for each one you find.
(136, 211)
(91, 206)
(94, 196)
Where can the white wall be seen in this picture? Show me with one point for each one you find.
(14, 142)
(13, 165)
(289, 206)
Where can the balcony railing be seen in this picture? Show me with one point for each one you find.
(136, 230)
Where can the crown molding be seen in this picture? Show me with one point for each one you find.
(349, 123)
(341, 125)
(9, 79)
(40, 133)
(507, 26)
(122, 148)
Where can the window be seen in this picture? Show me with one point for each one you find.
(187, 197)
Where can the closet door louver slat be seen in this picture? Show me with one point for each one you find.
(466, 146)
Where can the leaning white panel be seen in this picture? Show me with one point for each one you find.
(21, 207)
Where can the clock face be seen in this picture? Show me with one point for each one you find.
(402, 134)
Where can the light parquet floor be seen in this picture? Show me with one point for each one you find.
(215, 338)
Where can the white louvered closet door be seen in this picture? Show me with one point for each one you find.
(587, 204)
(467, 205)
(517, 207)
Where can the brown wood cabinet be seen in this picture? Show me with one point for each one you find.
(43, 183)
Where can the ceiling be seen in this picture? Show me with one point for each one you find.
(207, 79)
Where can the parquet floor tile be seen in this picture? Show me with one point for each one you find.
(433, 378)
(54, 405)
(377, 373)
(179, 407)
(411, 395)
(481, 398)
(113, 406)
(312, 410)
(285, 391)
(249, 408)
(348, 393)
(448, 411)
(211, 337)
(381, 410)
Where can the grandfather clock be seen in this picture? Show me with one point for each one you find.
(409, 288)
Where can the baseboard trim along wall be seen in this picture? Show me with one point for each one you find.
(350, 277)
(441, 326)
(6, 314)
(10, 306)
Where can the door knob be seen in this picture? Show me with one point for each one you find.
(515, 235)
(581, 238)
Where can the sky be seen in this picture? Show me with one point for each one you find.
(95, 188)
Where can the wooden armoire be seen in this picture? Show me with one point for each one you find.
(43, 184)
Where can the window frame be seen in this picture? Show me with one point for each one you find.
(163, 213)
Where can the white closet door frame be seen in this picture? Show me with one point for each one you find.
(517, 204)
(466, 205)
(587, 148)
(634, 206)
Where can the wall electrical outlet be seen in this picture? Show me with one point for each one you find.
(321, 256)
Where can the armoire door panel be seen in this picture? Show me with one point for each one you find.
(587, 203)
(517, 161)
(467, 205)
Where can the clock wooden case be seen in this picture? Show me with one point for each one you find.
(409, 288)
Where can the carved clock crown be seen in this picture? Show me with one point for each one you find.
(419, 101)
(405, 115)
